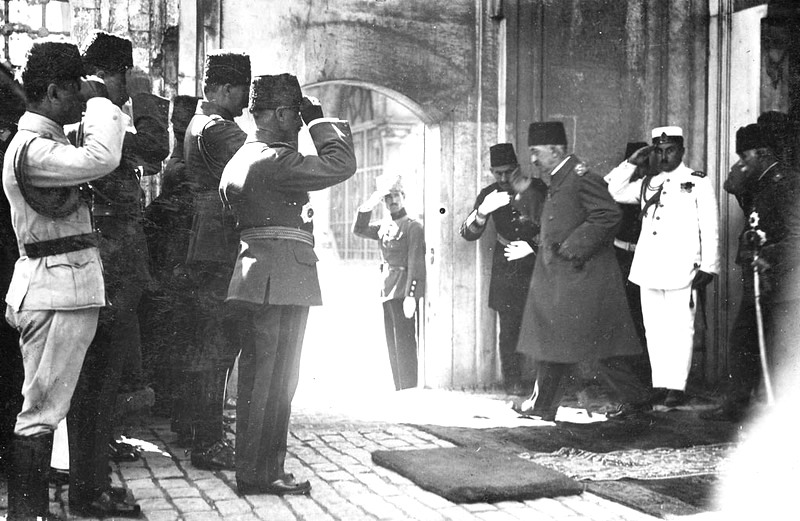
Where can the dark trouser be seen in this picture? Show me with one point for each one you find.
(269, 368)
(633, 294)
(745, 360)
(401, 339)
(28, 488)
(510, 361)
(217, 343)
(11, 377)
(615, 372)
(90, 419)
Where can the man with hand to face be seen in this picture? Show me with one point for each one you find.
(676, 256)
(514, 252)
(57, 288)
(402, 242)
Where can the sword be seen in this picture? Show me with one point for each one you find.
(758, 238)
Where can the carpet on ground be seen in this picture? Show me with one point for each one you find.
(467, 475)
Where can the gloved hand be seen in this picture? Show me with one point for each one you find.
(493, 201)
(517, 250)
(701, 279)
(310, 109)
(372, 201)
(93, 87)
(409, 306)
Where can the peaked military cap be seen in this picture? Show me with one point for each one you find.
(271, 92)
(108, 51)
(547, 133)
(663, 135)
(632, 147)
(751, 137)
(502, 154)
(227, 67)
(183, 108)
(50, 61)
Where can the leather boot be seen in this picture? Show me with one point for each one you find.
(27, 480)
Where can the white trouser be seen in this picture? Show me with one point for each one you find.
(53, 345)
(669, 328)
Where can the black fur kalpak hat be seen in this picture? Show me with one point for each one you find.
(108, 52)
(226, 67)
(753, 136)
(50, 61)
(271, 92)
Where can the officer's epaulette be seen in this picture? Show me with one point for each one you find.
(698, 173)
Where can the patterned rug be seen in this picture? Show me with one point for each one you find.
(649, 464)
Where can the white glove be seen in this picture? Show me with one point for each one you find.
(409, 306)
(373, 201)
(493, 201)
(517, 250)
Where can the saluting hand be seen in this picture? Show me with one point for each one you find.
(642, 156)
(517, 250)
(493, 201)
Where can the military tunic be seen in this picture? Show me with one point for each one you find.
(508, 288)
(275, 281)
(402, 242)
(54, 300)
(679, 237)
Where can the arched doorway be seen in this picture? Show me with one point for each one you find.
(344, 352)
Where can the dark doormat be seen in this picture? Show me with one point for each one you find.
(467, 475)
(675, 429)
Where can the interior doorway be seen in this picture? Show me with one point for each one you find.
(344, 353)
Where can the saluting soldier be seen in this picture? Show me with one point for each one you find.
(212, 138)
(117, 211)
(402, 243)
(275, 279)
(514, 253)
(676, 256)
(576, 310)
(57, 287)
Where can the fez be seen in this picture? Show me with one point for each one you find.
(663, 135)
(632, 147)
(271, 92)
(547, 133)
(227, 67)
(751, 137)
(502, 155)
(108, 52)
(183, 108)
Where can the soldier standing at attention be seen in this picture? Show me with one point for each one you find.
(57, 287)
(117, 212)
(676, 256)
(275, 279)
(514, 252)
(402, 242)
(210, 142)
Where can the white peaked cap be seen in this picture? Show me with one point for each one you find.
(669, 131)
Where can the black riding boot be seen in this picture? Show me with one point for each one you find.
(27, 478)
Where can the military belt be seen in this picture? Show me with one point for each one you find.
(278, 232)
(624, 245)
(36, 250)
(502, 240)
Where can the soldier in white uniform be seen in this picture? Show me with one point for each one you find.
(677, 252)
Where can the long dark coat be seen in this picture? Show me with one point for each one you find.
(576, 308)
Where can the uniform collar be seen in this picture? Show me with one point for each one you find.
(210, 108)
(41, 125)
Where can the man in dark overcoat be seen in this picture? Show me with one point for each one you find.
(514, 253)
(768, 187)
(576, 309)
(275, 279)
(117, 211)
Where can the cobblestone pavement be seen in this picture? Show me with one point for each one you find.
(333, 451)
